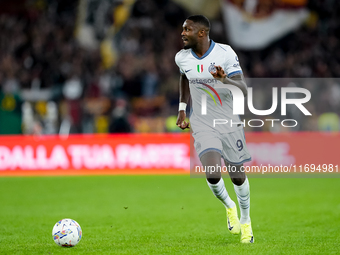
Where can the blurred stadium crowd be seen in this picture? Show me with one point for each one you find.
(51, 83)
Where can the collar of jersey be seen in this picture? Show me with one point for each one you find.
(212, 44)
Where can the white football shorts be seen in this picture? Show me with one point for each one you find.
(232, 146)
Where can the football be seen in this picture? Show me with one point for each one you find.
(66, 233)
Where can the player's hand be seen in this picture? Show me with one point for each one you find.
(219, 74)
(181, 123)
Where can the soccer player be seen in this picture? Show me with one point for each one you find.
(207, 68)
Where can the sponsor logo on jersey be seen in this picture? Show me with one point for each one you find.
(238, 63)
(211, 81)
(209, 93)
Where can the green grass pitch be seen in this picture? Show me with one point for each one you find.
(166, 215)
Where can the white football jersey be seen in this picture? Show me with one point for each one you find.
(219, 99)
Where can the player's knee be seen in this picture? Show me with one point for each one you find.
(238, 180)
(213, 180)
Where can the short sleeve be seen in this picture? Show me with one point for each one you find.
(178, 64)
(232, 65)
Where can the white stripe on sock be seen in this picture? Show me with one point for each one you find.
(221, 193)
(243, 197)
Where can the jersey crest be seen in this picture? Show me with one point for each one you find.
(212, 67)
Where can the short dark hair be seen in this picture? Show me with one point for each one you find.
(201, 20)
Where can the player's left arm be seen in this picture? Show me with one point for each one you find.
(236, 80)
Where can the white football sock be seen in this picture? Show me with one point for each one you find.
(221, 193)
(243, 197)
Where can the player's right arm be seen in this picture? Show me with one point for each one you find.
(184, 94)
